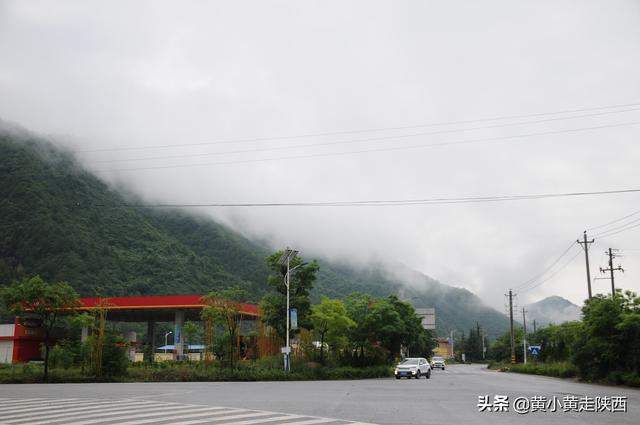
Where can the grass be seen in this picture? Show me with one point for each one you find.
(187, 372)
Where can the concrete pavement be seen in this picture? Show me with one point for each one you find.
(449, 397)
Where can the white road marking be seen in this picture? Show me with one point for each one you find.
(25, 400)
(130, 411)
(312, 421)
(265, 420)
(174, 409)
(81, 412)
(58, 406)
(209, 417)
(124, 415)
(11, 406)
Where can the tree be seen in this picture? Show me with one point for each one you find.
(609, 341)
(411, 335)
(223, 307)
(78, 322)
(473, 344)
(557, 341)
(379, 332)
(500, 349)
(192, 332)
(330, 322)
(274, 305)
(358, 306)
(43, 301)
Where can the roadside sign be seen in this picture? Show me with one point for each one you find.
(294, 318)
(535, 349)
(285, 350)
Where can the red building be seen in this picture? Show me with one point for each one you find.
(20, 341)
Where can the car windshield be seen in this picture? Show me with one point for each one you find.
(410, 361)
(437, 359)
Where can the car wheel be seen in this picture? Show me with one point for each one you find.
(397, 377)
(442, 367)
(428, 375)
(418, 375)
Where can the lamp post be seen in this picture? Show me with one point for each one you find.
(165, 341)
(285, 260)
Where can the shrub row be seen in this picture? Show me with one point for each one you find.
(185, 372)
(559, 369)
(565, 370)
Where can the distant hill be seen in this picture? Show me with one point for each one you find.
(554, 310)
(62, 222)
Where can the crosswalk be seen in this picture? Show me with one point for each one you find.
(85, 411)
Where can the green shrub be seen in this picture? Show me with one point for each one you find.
(558, 369)
(114, 357)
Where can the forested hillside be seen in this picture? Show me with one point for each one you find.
(61, 222)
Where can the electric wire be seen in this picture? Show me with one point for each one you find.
(331, 133)
(614, 221)
(615, 229)
(565, 265)
(620, 231)
(388, 202)
(346, 142)
(383, 149)
(545, 271)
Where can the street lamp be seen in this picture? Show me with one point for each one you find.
(287, 256)
(165, 341)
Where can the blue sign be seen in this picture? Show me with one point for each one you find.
(535, 349)
(294, 318)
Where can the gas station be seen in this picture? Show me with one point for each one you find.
(20, 342)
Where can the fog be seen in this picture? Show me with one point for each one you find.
(127, 84)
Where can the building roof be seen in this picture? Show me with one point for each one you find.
(171, 347)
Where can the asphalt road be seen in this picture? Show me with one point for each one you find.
(449, 397)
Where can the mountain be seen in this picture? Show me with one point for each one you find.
(553, 310)
(60, 221)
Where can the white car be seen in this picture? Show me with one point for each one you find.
(413, 367)
(437, 362)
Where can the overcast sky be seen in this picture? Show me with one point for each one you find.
(128, 74)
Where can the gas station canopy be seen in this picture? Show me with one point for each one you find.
(159, 308)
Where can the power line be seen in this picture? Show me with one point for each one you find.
(620, 231)
(332, 133)
(614, 221)
(344, 142)
(553, 274)
(398, 202)
(556, 261)
(385, 149)
(615, 230)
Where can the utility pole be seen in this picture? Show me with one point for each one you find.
(585, 245)
(524, 335)
(453, 353)
(612, 269)
(513, 341)
(287, 366)
(534, 326)
(478, 333)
